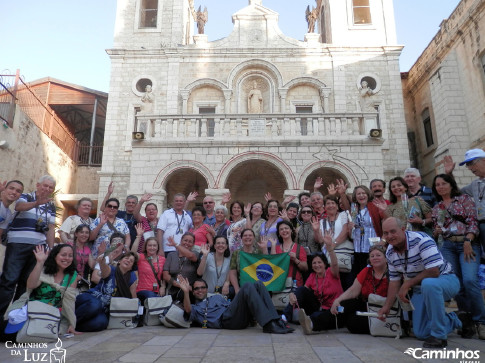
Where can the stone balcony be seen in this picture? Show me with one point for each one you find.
(338, 127)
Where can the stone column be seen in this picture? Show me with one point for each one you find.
(185, 96)
(227, 98)
(324, 94)
(283, 92)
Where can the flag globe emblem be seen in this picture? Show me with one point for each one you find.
(264, 272)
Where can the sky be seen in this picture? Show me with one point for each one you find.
(67, 39)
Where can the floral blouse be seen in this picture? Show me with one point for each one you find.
(460, 217)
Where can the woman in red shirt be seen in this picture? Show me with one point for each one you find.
(321, 288)
(371, 280)
(150, 268)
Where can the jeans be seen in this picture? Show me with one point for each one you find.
(90, 313)
(469, 298)
(19, 263)
(145, 294)
(429, 316)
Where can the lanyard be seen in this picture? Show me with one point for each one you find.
(179, 223)
(374, 286)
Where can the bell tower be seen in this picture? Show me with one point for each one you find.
(153, 24)
(357, 22)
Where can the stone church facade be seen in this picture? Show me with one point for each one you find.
(256, 111)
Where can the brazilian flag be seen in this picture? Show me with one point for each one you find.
(271, 270)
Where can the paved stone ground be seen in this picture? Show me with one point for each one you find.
(159, 344)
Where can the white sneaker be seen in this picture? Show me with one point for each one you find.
(305, 322)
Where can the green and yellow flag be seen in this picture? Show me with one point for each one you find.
(271, 270)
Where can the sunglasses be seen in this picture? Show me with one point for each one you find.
(306, 212)
(208, 202)
(471, 163)
(111, 206)
(200, 288)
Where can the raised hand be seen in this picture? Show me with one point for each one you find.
(283, 215)
(247, 209)
(318, 183)
(171, 242)
(327, 239)
(341, 186)
(289, 199)
(146, 197)
(3, 186)
(267, 196)
(226, 197)
(449, 164)
(315, 223)
(192, 196)
(40, 254)
(331, 189)
(139, 229)
(205, 249)
(111, 188)
(183, 283)
(103, 218)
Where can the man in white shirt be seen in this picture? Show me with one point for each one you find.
(173, 222)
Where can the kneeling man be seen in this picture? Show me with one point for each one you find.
(216, 312)
(430, 279)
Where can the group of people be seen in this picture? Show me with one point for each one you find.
(420, 246)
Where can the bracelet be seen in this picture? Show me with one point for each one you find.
(137, 237)
(298, 263)
(466, 239)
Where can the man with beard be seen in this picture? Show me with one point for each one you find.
(378, 186)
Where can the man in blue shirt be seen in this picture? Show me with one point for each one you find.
(252, 301)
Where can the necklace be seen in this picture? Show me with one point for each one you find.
(267, 225)
(287, 250)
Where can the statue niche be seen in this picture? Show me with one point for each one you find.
(255, 98)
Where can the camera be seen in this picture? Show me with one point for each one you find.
(41, 226)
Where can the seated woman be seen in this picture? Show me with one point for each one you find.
(181, 262)
(298, 259)
(371, 280)
(200, 230)
(317, 296)
(53, 281)
(84, 259)
(247, 236)
(112, 255)
(92, 306)
(68, 227)
(214, 267)
(150, 267)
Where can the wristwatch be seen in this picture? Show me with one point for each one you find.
(466, 239)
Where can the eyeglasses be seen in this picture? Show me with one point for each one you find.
(306, 212)
(199, 288)
(111, 206)
(471, 163)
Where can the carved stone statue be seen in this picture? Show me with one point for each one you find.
(201, 18)
(148, 96)
(311, 17)
(255, 99)
(365, 93)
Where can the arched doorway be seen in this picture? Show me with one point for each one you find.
(251, 179)
(328, 175)
(186, 180)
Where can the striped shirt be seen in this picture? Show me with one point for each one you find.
(421, 254)
(22, 229)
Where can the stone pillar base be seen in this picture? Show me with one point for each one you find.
(312, 37)
(201, 39)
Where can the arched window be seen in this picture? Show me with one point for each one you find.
(361, 9)
(428, 131)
